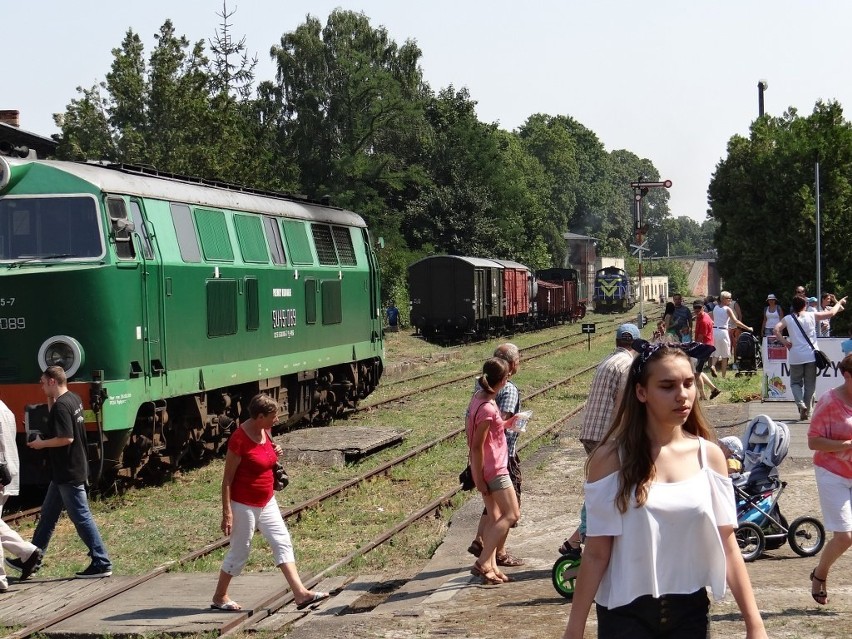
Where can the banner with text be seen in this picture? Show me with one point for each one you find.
(776, 371)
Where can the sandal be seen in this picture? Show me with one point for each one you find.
(508, 560)
(566, 549)
(475, 548)
(502, 576)
(489, 577)
(820, 596)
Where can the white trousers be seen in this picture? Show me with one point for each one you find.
(270, 523)
(11, 541)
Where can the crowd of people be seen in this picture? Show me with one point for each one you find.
(657, 486)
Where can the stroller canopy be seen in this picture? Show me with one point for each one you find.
(766, 443)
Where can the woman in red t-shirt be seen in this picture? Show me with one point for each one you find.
(248, 504)
(830, 436)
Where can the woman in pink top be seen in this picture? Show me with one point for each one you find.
(248, 504)
(661, 515)
(489, 464)
(830, 436)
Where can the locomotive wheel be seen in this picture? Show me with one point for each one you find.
(806, 536)
(564, 575)
(751, 540)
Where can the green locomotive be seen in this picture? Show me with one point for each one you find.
(171, 301)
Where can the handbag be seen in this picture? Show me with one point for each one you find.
(821, 359)
(280, 477)
(6, 476)
(466, 479)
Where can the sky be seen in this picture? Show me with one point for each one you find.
(669, 80)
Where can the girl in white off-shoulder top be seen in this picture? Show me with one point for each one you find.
(661, 516)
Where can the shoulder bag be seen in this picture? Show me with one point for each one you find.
(821, 359)
(466, 476)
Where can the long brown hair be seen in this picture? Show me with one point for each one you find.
(494, 371)
(628, 432)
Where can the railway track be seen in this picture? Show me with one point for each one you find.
(277, 601)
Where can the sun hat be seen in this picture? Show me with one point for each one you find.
(733, 444)
(771, 297)
(627, 331)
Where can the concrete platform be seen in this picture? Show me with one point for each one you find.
(333, 446)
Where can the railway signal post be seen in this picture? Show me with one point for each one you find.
(640, 190)
(589, 329)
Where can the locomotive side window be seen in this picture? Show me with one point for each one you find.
(310, 301)
(139, 223)
(213, 232)
(343, 243)
(250, 239)
(35, 228)
(324, 244)
(332, 312)
(122, 228)
(252, 304)
(273, 240)
(221, 307)
(185, 231)
(297, 242)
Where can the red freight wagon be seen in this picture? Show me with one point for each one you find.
(516, 291)
(550, 300)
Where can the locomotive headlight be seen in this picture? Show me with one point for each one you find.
(63, 351)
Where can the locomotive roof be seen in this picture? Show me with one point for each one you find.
(131, 182)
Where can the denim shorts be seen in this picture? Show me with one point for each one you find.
(667, 617)
(500, 482)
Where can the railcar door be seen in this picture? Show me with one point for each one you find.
(153, 310)
(375, 311)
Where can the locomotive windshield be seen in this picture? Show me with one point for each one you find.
(44, 228)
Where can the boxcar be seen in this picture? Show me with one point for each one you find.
(170, 302)
(550, 303)
(454, 297)
(518, 293)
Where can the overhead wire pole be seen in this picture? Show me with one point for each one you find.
(640, 190)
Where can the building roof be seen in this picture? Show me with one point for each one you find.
(44, 147)
(576, 236)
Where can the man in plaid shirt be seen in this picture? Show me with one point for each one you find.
(601, 405)
(508, 400)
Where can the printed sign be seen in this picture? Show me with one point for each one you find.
(588, 328)
(776, 371)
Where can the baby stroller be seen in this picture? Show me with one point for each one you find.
(758, 490)
(747, 354)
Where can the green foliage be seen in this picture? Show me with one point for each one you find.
(762, 197)
(349, 116)
(678, 277)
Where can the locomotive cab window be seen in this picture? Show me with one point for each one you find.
(121, 228)
(139, 223)
(33, 228)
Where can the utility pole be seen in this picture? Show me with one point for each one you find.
(640, 190)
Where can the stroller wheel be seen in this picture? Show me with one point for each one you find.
(806, 536)
(564, 575)
(751, 540)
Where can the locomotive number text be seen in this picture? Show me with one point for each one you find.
(7, 301)
(13, 323)
(283, 317)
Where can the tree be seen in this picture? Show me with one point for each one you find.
(762, 197)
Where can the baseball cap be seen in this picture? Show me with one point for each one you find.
(812, 299)
(771, 297)
(627, 331)
(846, 346)
(697, 304)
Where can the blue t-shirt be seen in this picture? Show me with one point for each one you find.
(680, 318)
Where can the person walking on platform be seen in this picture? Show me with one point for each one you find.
(248, 504)
(27, 556)
(723, 318)
(830, 437)
(508, 400)
(489, 465)
(65, 442)
(703, 335)
(604, 396)
(661, 513)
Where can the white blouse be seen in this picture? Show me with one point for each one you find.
(671, 545)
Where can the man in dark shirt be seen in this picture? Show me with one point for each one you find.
(65, 441)
(680, 321)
